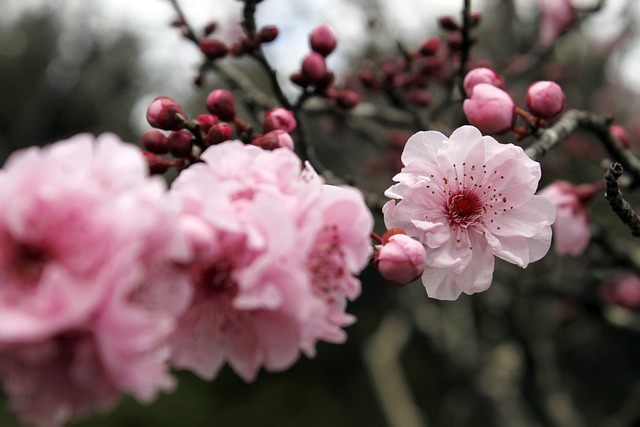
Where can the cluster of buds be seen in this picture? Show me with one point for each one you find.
(186, 139)
(492, 110)
(315, 75)
(246, 44)
(454, 29)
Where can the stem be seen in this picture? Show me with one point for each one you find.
(466, 46)
(620, 206)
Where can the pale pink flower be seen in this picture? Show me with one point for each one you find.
(87, 283)
(401, 260)
(555, 17)
(571, 229)
(275, 252)
(468, 198)
(481, 75)
(490, 109)
(623, 290)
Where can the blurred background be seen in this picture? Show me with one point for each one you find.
(542, 347)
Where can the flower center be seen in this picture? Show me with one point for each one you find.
(29, 261)
(464, 209)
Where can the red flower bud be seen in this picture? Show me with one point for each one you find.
(274, 139)
(157, 165)
(368, 79)
(279, 118)
(218, 133)
(213, 48)
(299, 79)
(621, 134)
(447, 23)
(347, 99)
(180, 143)
(220, 102)
(322, 40)
(206, 121)
(268, 34)
(418, 97)
(163, 113)
(155, 141)
(430, 46)
(313, 67)
(210, 28)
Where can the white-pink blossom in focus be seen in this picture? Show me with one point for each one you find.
(468, 198)
(490, 109)
(482, 75)
(276, 253)
(401, 260)
(88, 288)
(571, 230)
(555, 17)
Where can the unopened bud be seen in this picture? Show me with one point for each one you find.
(274, 139)
(621, 134)
(347, 99)
(322, 40)
(481, 75)
(447, 23)
(218, 133)
(267, 34)
(430, 46)
(206, 121)
(163, 113)
(279, 118)
(180, 143)
(299, 79)
(210, 28)
(220, 102)
(545, 99)
(401, 259)
(313, 67)
(368, 79)
(490, 109)
(213, 48)
(155, 141)
(157, 165)
(418, 97)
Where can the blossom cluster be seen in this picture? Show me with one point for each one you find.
(108, 279)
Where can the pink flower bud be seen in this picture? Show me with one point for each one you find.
(545, 99)
(448, 23)
(313, 67)
(180, 143)
(322, 40)
(206, 121)
(401, 260)
(213, 48)
(347, 99)
(481, 75)
(279, 118)
(418, 97)
(490, 109)
(368, 79)
(267, 34)
(299, 79)
(621, 134)
(429, 46)
(623, 291)
(162, 114)
(157, 165)
(274, 139)
(218, 133)
(155, 141)
(210, 28)
(220, 102)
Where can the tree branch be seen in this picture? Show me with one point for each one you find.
(620, 206)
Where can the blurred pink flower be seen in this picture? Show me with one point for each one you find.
(468, 198)
(276, 251)
(572, 226)
(555, 17)
(88, 290)
(490, 109)
(624, 291)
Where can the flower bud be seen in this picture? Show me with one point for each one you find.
(347, 99)
(490, 109)
(418, 97)
(401, 260)
(155, 141)
(157, 165)
(545, 99)
(274, 139)
(210, 28)
(268, 34)
(368, 79)
(447, 23)
(482, 75)
(206, 121)
(279, 118)
(221, 103)
(299, 79)
(180, 143)
(313, 67)
(429, 47)
(621, 134)
(213, 48)
(218, 133)
(322, 40)
(163, 113)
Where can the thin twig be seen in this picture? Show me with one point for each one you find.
(620, 206)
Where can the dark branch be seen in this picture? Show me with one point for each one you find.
(620, 206)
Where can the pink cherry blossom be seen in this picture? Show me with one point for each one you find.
(401, 260)
(276, 251)
(490, 109)
(468, 198)
(572, 226)
(88, 288)
(555, 17)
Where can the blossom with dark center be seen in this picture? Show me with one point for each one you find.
(468, 198)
